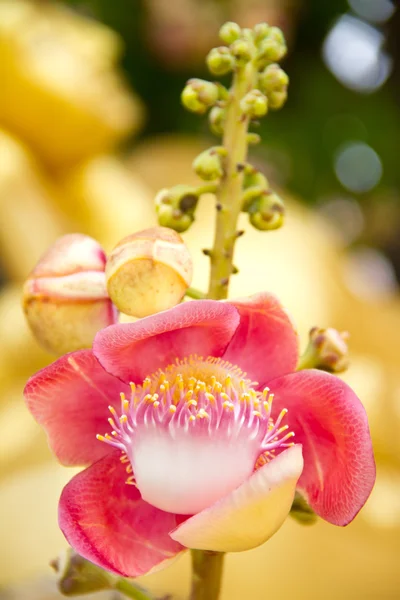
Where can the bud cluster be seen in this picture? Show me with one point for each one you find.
(265, 208)
(175, 207)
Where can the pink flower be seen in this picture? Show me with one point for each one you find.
(204, 445)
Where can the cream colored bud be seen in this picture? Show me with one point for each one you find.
(329, 349)
(273, 79)
(272, 48)
(149, 271)
(65, 297)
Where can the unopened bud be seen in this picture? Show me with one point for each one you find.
(199, 95)
(77, 576)
(267, 212)
(327, 350)
(216, 119)
(208, 164)
(149, 271)
(272, 48)
(273, 79)
(254, 104)
(302, 512)
(260, 31)
(230, 32)
(175, 207)
(220, 61)
(242, 50)
(65, 297)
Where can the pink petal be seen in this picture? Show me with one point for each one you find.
(265, 344)
(132, 351)
(251, 514)
(70, 399)
(107, 522)
(331, 424)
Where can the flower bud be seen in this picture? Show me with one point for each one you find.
(327, 350)
(199, 95)
(65, 297)
(220, 61)
(77, 576)
(208, 164)
(273, 79)
(260, 31)
(216, 119)
(149, 271)
(266, 212)
(254, 104)
(176, 206)
(272, 48)
(230, 32)
(242, 50)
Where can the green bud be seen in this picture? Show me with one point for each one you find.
(266, 212)
(254, 104)
(76, 575)
(175, 207)
(272, 48)
(253, 138)
(199, 95)
(242, 50)
(261, 31)
(217, 118)
(220, 61)
(301, 512)
(273, 79)
(230, 32)
(277, 99)
(253, 177)
(208, 164)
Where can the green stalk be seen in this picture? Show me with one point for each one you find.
(207, 574)
(229, 195)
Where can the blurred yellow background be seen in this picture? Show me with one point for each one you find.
(65, 111)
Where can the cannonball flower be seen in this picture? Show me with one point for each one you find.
(187, 420)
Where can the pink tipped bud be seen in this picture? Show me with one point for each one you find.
(65, 297)
(149, 271)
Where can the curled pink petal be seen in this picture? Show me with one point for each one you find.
(133, 351)
(265, 344)
(107, 522)
(251, 514)
(330, 422)
(70, 399)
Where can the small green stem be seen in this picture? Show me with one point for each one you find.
(229, 195)
(196, 294)
(308, 360)
(207, 574)
(130, 590)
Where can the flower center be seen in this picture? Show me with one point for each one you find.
(193, 432)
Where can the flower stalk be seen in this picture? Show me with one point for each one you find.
(206, 575)
(229, 194)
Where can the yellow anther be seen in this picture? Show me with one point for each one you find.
(267, 406)
(111, 421)
(131, 480)
(133, 388)
(114, 433)
(257, 413)
(283, 413)
(189, 395)
(202, 414)
(228, 381)
(245, 397)
(172, 409)
(192, 403)
(282, 429)
(125, 405)
(123, 419)
(108, 437)
(156, 404)
(146, 384)
(148, 398)
(113, 411)
(228, 405)
(192, 418)
(101, 438)
(210, 398)
(225, 397)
